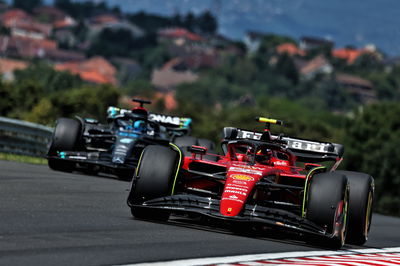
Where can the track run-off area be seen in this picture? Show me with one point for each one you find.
(55, 218)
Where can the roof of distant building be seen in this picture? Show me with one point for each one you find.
(349, 54)
(11, 16)
(96, 70)
(290, 49)
(314, 65)
(33, 26)
(8, 65)
(360, 88)
(180, 33)
(25, 47)
(63, 23)
(104, 19)
(353, 80)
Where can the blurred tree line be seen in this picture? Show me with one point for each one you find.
(372, 142)
(40, 94)
(203, 23)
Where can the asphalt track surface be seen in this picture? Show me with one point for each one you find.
(54, 218)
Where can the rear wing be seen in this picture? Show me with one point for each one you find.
(172, 122)
(305, 150)
(168, 121)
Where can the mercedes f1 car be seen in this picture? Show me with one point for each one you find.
(264, 180)
(89, 146)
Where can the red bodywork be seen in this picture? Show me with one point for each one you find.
(261, 179)
(242, 176)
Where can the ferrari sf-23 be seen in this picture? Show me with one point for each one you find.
(261, 181)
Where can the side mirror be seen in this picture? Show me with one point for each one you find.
(197, 150)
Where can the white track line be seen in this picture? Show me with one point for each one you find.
(265, 256)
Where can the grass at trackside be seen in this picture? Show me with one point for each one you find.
(22, 158)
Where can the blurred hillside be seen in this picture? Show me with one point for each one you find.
(345, 21)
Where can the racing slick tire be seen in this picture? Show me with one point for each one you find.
(65, 137)
(360, 206)
(327, 206)
(155, 175)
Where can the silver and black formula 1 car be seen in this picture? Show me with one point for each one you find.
(114, 148)
(262, 180)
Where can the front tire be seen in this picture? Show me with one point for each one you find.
(327, 205)
(360, 206)
(66, 137)
(155, 178)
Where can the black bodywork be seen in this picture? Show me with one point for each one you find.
(115, 147)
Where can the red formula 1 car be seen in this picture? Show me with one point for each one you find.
(262, 179)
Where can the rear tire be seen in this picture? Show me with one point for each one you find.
(327, 205)
(360, 206)
(66, 137)
(153, 181)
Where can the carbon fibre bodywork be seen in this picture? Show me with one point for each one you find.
(114, 147)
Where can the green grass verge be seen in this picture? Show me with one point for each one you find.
(22, 158)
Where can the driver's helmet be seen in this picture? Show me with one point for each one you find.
(140, 113)
(139, 126)
(263, 155)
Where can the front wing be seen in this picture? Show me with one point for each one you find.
(251, 214)
(93, 159)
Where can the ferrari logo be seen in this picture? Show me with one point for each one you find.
(229, 209)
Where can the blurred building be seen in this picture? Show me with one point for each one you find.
(171, 75)
(8, 66)
(94, 70)
(360, 89)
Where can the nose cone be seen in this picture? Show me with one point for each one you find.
(237, 188)
(231, 207)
